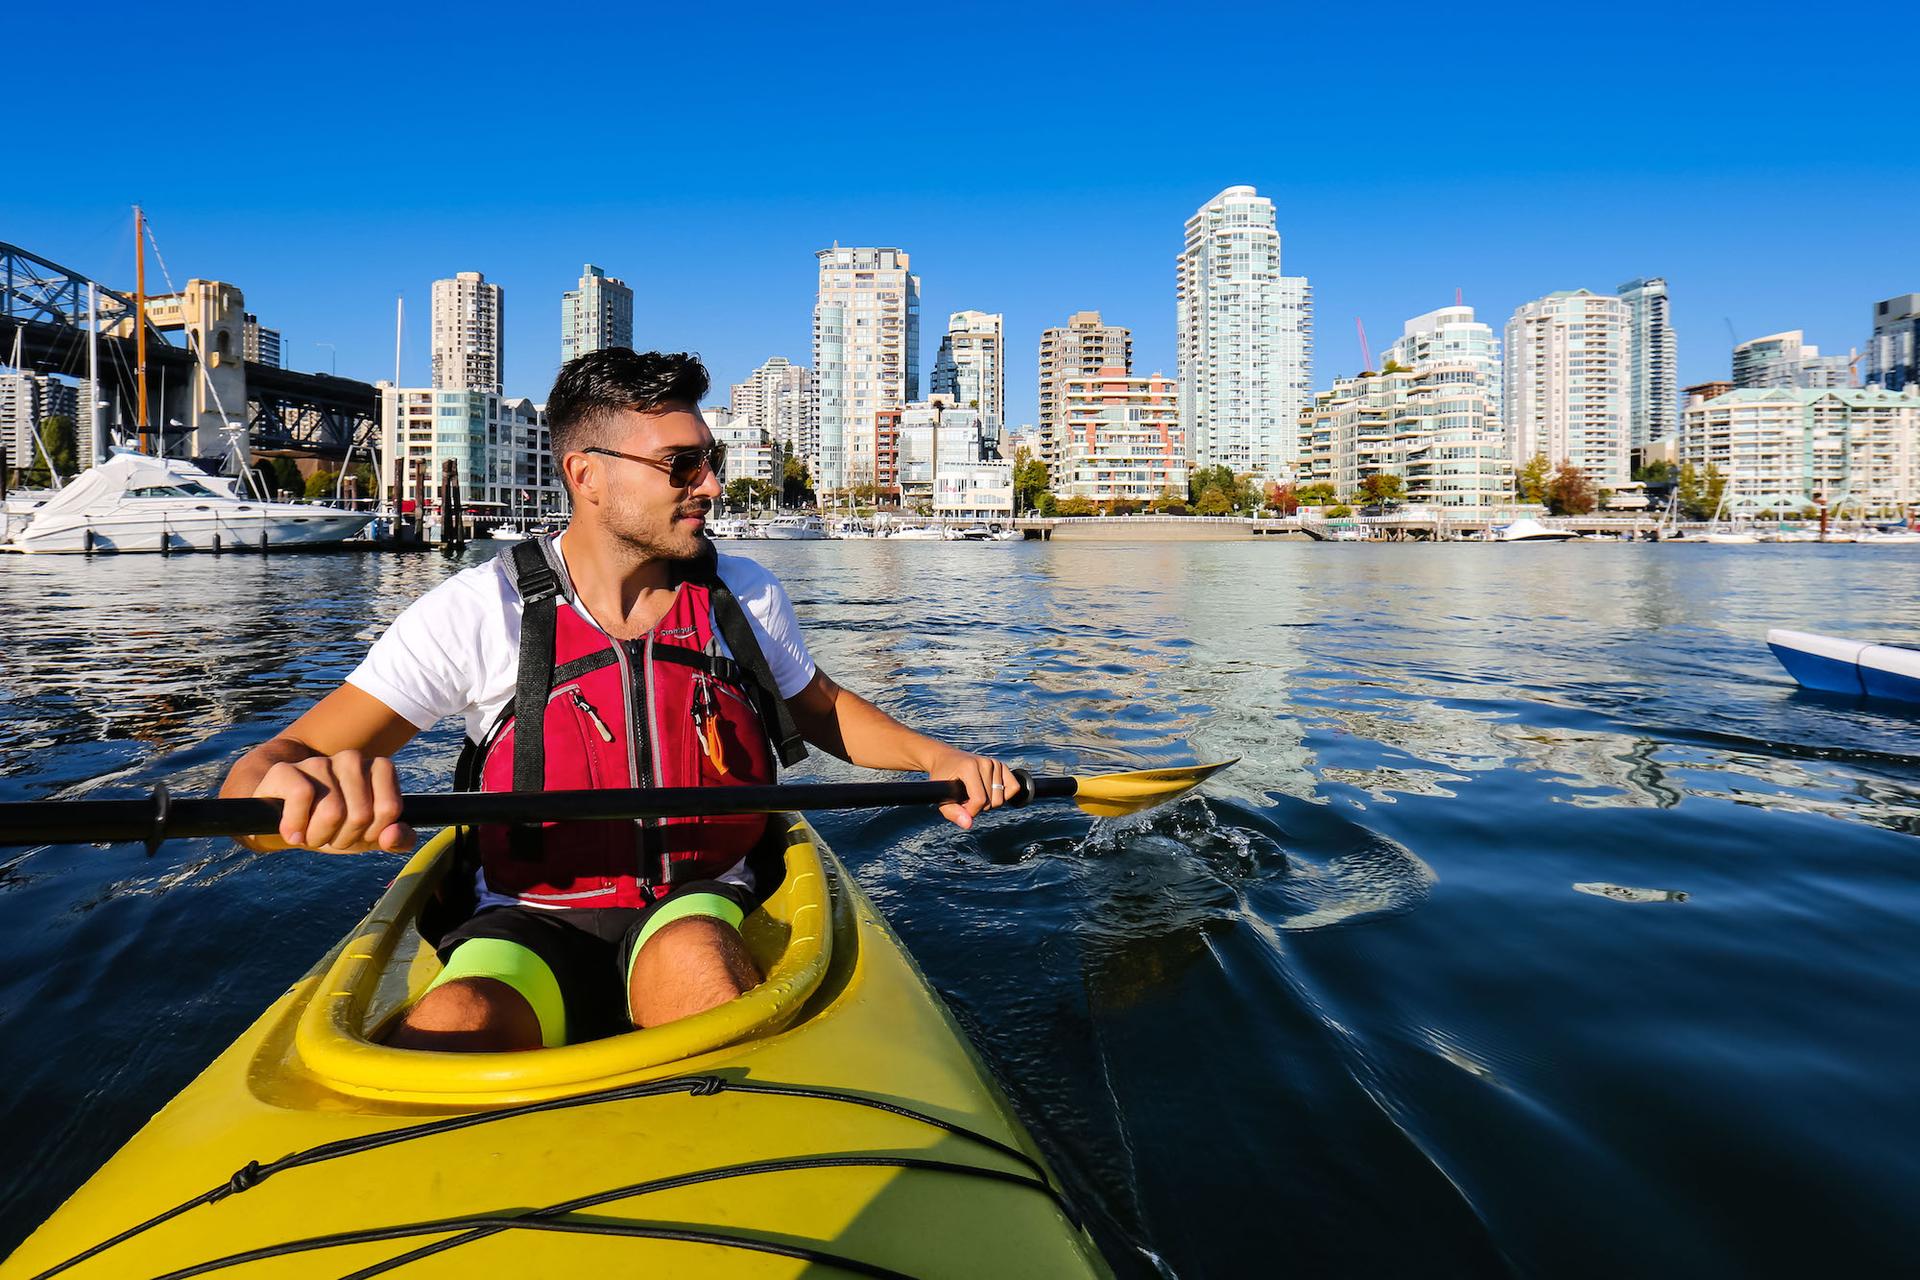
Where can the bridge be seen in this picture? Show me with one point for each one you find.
(202, 382)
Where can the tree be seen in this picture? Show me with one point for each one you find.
(1659, 471)
(1531, 480)
(280, 475)
(745, 491)
(1201, 479)
(1569, 492)
(366, 480)
(1030, 480)
(1074, 507)
(796, 486)
(1317, 494)
(1715, 491)
(1213, 502)
(1698, 497)
(321, 483)
(1124, 507)
(1383, 486)
(1170, 503)
(57, 441)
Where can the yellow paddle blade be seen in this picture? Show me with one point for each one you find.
(1114, 795)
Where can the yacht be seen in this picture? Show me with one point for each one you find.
(728, 527)
(792, 527)
(1526, 530)
(133, 502)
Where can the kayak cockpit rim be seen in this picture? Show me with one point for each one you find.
(337, 1036)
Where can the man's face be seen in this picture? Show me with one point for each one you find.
(640, 504)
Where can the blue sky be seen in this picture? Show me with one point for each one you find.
(1034, 161)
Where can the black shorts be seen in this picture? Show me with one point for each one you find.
(588, 950)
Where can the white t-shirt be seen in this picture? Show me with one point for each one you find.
(456, 650)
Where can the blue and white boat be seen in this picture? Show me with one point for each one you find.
(1834, 665)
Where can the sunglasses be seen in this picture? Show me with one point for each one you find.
(683, 466)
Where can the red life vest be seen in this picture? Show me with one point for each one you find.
(666, 710)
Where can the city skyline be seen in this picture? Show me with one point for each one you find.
(1773, 238)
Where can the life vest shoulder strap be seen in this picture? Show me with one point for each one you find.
(731, 620)
(539, 587)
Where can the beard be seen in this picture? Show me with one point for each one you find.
(657, 533)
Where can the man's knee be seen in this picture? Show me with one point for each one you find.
(688, 966)
(482, 1015)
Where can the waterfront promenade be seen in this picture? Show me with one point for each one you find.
(1421, 526)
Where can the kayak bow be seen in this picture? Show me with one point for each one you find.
(833, 1116)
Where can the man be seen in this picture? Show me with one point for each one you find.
(621, 653)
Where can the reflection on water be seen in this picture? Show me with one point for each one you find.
(1338, 1012)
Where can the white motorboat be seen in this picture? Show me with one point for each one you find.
(1529, 530)
(805, 528)
(1727, 539)
(915, 533)
(729, 527)
(507, 533)
(132, 502)
(17, 510)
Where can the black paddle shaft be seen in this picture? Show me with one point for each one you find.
(162, 816)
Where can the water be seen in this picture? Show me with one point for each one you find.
(1543, 928)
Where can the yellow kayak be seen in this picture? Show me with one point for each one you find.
(833, 1119)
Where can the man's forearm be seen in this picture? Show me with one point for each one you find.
(844, 723)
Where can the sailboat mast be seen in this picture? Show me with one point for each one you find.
(96, 431)
(140, 321)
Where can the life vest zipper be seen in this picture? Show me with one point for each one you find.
(636, 767)
(653, 740)
(580, 701)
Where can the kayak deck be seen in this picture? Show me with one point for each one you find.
(760, 1139)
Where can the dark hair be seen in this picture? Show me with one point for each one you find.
(604, 382)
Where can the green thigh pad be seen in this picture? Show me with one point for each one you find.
(519, 968)
(690, 904)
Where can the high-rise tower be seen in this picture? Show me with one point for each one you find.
(1245, 335)
(469, 344)
(596, 314)
(866, 357)
(1653, 374)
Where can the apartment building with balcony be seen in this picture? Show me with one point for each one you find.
(1434, 427)
(1078, 349)
(1565, 384)
(1121, 438)
(1786, 448)
(500, 446)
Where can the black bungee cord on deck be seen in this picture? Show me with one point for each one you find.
(254, 1172)
(479, 1226)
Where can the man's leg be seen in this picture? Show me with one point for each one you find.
(688, 958)
(494, 996)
